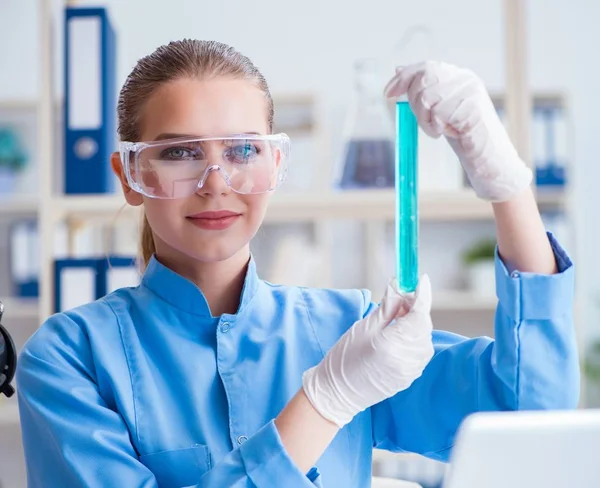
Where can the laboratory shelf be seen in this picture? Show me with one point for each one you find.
(89, 206)
(380, 205)
(18, 205)
(373, 205)
(313, 207)
(462, 301)
(18, 104)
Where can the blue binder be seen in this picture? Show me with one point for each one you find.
(76, 282)
(549, 141)
(79, 281)
(24, 258)
(117, 272)
(90, 100)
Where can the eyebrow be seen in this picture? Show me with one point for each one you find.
(169, 135)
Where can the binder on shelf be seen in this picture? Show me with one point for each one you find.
(539, 143)
(78, 281)
(24, 258)
(559, 155)
(550, 146)
(90, 100)
(119, 272)
(550, 151)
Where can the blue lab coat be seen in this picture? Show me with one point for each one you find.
(144, 388)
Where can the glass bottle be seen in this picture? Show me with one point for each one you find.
(368, 144)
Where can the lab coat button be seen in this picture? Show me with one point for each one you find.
(225, 326)
(241, 439)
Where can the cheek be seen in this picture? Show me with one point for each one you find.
(163, 215)
(256, 207)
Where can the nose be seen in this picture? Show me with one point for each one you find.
(214, 182)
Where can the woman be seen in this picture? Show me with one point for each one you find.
(205, 375)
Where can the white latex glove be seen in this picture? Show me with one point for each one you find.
(377, 357)
(454, 102)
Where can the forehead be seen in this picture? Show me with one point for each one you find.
(210, 107)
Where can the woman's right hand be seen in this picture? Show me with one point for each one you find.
(376, 358)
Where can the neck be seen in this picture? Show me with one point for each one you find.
(221, 282)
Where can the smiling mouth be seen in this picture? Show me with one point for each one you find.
(214, 220)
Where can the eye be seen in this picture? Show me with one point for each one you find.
(242, 153)
(178, 154)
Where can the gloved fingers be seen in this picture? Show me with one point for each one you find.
(393, 304)
(415, 325)
(434, 90)
(401, 81)
(422, 294)
(391, 307)
(413, 333)
(397, 304)
(445, 97)
(421, 106)
(422, 297)
(458, 112)
(391, 89)
(453, 116)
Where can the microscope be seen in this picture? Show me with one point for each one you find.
(8, 359)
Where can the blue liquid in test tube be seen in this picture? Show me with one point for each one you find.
(407, 215)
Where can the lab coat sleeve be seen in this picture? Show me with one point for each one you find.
(73, 437)
(532, 364)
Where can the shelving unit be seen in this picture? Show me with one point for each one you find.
(303, 207)
(18, 206)
(18, 104)
(373, 207)
(454, 300)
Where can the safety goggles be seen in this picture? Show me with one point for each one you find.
(178, 168)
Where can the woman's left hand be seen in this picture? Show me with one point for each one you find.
(454, 102)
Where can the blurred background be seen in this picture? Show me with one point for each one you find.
(332, 222)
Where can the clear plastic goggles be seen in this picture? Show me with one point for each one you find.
(177, 168)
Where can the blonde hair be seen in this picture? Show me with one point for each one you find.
(188, 58)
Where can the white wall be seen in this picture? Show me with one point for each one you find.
(301, 46)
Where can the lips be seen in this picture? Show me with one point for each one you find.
(214, 219)
(214, 214)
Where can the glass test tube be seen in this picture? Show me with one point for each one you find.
(407, 215)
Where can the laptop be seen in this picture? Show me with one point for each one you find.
(527, 449)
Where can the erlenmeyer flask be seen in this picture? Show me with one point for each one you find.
(368, 145)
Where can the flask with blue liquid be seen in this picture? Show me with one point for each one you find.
(368, 146)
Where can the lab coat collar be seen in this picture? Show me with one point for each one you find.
(184, 294)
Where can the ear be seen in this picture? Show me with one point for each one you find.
(277, 158)
(131, 196)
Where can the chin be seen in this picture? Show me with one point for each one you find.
(213, 251)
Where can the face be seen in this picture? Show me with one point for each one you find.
(186, 228)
